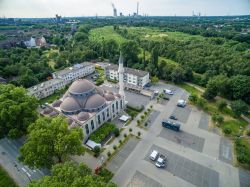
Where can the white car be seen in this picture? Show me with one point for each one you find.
(169, 92)
(153, 156)
(181, 103)
(161, 161)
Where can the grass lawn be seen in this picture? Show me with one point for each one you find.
(242, 146)
(6, 180)
(53, 97)
(236, 127)
(105, 33)
(190, 89)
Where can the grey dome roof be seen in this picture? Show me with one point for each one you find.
(100, 91)
(81, 86)
(83, 116)
(95, 101)
(70, 105)
(57, 103)
(109, 97)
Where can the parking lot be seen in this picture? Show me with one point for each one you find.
(133, 99)
(194, 155)
(183, 138)
(187, 169)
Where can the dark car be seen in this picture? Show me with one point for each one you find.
(173, 117)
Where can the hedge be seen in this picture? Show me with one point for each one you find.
(100, 134)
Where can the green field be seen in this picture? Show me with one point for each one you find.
(5, 179)
(105, 33)
(236, 127)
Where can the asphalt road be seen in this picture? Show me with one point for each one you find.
(9, 160)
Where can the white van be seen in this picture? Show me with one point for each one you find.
(153, 156)
(169, 92)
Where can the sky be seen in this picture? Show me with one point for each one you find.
(68, 8)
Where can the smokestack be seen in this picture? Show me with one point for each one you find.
(137, 12)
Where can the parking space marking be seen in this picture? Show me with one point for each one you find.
(186, 169)
(183, 138)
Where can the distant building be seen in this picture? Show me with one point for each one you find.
(61, 79)
(131, 76)
(73, 73)
(36, 42)
(2, 80)
(46, 88)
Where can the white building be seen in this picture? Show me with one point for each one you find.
(76, 72)
(46, 88)
(131, 76)
(88, 106)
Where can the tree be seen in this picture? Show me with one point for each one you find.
(50, 141)
(217, 118)
(116, 132)
(17, 111)
(130, 50)
(96, 151)
(222, 104)
(154, 79)
(71, 174)
(211, 90)
(239, 107)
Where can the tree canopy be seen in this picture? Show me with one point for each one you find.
(50, 141)
(17, 111)
(73, 175)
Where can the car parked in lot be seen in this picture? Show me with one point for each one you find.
(181, 103)
(173, 117)
(161, 161)
(171, 125)
(154, 155)
(169, 92)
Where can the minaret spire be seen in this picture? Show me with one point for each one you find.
(121, 72)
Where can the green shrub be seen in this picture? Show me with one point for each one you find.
(125, 135)
(106, 174)
(117, 132)
(139, 133)
(96, 151)
(248, 132)
(130, 129)
(114, 147)
(108, 154)
(222, 104)
(120, 141)
(227, 130)
(100, 134)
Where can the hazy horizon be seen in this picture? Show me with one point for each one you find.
(74, 8)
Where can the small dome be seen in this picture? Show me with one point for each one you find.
(109, 97)
(70, 105)
(94, 102)
(118, 95)
(53, 113)
(81, 86)
(83, 116)
(57, 103)
(47, 110)
(70, 121)
(100, 91)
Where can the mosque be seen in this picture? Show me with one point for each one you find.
(89, 106)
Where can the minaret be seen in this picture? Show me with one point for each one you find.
(121, 72)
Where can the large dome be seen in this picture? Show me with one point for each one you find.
(95, 102)
(83, 116)
(81, 86)
(100, 91)
(70, 105)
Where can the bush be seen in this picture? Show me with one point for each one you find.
(114, 147)
(139, 133)
(146, 124)
(138, 122)
(217, 118)
(193, 98)
(106, 174)
(117, 132)
(222, 104)
(130, 129)
(227, 130)
(239, 107)
(100, 134)
(148, 109)
(120, 141)
(248, 132)
(96, 151)
(125, 135)
(108, 154)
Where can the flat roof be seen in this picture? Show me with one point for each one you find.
(137, 72)
(44, 85)
(73, 68)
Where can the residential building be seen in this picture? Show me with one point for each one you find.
(131, 76)
(46, 88)
(76, 72)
